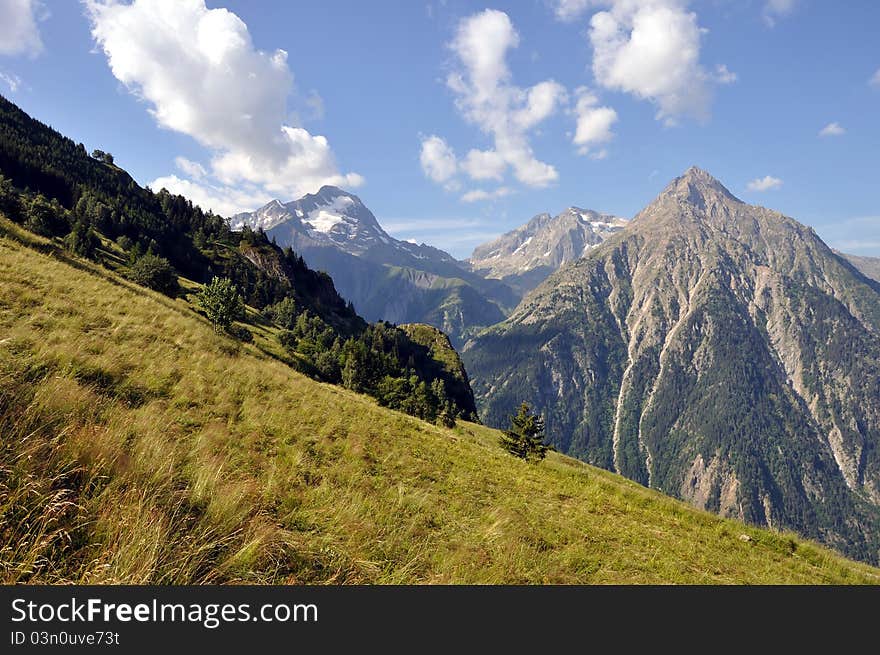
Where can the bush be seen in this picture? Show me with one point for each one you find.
(221, 302)
(283, 313)
(82, 240)
(156, 273)
(287, 339)
(45, 218)
(124, 242)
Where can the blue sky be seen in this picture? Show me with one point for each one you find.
(455, 121)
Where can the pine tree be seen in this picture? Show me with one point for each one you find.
(525, 438)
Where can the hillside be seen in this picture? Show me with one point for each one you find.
(139, 446)
(714, 350)
(88, 206)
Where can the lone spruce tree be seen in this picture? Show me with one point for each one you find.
(525, 438)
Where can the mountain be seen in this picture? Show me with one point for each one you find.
(714, 350)
(868, 266)
(88, 209)
(524, 257)
(386, 279)
(140, 447)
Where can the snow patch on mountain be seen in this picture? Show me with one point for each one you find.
(325, 218)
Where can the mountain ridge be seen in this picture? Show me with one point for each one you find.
(526, 255)
(687, 347)
(386, 278)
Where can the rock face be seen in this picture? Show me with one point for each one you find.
(385, 278)
(717, 351)
(525, 256)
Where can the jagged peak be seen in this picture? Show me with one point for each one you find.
(698, 188)
(330, 191)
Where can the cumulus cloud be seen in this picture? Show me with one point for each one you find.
(19, 34)
(484, 165)
(201, 75)
(651, 49)
(593, 123)
(776, 9)
(486, 97)
(480, 194)
(437, 159)
(766, 183)
(875, 79)
(223, 200)
(832, 129)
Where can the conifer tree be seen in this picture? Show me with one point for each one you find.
(525, 437)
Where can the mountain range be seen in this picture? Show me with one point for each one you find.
(402, 282)
(714, 350)
(525, 256)
(385, 278)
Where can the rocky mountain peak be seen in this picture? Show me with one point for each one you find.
(697, 188)
(694, 196)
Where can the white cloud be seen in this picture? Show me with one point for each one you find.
(776, 9)
(223, 200)
(593, 123)
(724, 76)
(480, 194)
(11, 80)
(486, 97)
(832, 129)
(484, 165)
(651, 49)
(570, 10)
(766, 183)
(191, 168)
(437, 159)
(875, 79)
(19, 34)
(202, 76)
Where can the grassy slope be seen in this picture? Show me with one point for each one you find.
(138, 446)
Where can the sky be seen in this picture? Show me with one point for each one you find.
(456, 121)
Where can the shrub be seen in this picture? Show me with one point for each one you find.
(44, 218)
(221, 303)
(155, 273)
(124, 242)
(82, 240)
